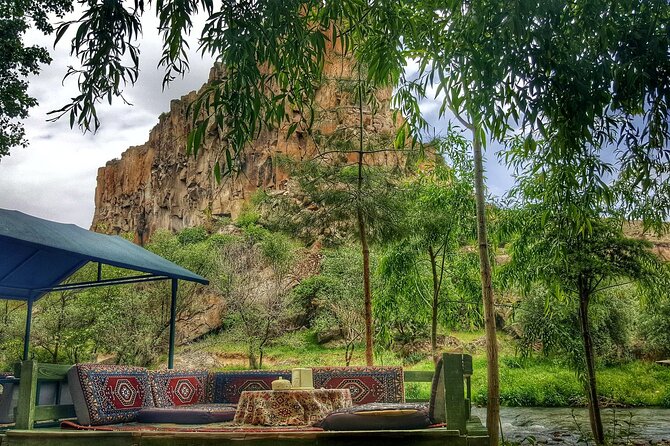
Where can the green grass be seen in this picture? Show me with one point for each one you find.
(550, 383)
(529, 382)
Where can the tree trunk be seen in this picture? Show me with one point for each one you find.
(369, 360)
(253, 361)
(366, 288)
(591, 389)
(493, 399)
(436, 293)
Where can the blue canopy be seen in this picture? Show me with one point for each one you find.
(36, 255)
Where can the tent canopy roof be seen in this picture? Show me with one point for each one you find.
(37, 255)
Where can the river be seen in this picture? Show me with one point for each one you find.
(548, 425)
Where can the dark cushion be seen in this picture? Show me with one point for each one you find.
(107, 394)
(366, 384)
(377, 416)
(195, 414)
(226, 387)
(179, 387)
(437, 403)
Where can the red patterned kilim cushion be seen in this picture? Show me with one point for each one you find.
(179, 387)
(227, 387)
(366, 384)
(106, 394)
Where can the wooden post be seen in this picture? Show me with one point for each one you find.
(467, 374)
(26, 336)
(25, 411)
(173, 319)
(454, 391)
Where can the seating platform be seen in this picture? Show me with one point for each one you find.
(109, 399)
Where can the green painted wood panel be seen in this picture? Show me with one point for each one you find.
(416, 376)
(43, 413)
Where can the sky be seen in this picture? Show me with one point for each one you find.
(55, 176)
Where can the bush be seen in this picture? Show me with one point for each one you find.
(248, 217)
(654, 328)
(550, 324)
(190, 236)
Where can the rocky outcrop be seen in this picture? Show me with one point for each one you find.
(156, 186)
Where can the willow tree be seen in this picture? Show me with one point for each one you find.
(426, 266)
(549, 246)
(18, 61)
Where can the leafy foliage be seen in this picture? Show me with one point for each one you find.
(655, 329)
(331, 301)
(427, 267)
(549, 322)
(18, 61)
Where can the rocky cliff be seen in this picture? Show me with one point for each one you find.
(156, 186)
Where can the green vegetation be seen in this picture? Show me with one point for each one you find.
(534, 381)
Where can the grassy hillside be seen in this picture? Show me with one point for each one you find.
(530, 382)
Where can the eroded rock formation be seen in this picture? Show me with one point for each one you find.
(156, 186)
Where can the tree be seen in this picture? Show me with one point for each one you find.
(344, 181)
(552, 247)
(17, 61)
(338, 297)
(256, 309)
(439, 222)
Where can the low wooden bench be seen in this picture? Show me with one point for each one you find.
(32, 418)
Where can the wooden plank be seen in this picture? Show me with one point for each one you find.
(58, 437)
(25, 410)
(56, 412)
(46, 372)
(422, 437)
(467, 365)
(52, 372)
(454, 390)
(388, 438)
(418, 376)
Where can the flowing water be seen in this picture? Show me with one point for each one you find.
(548, 425)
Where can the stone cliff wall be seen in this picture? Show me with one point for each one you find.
(156, 186)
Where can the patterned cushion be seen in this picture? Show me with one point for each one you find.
(178, 387)
(194, 414)
(377, 416)
(105, 394)
(226, 387)
(366, 384)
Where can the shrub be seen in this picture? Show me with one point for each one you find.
(550, 324)
(654, 328)
(190, 236)
(248, 217)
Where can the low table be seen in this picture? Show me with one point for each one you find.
(289, 407)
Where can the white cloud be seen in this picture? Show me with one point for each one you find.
(55, 176)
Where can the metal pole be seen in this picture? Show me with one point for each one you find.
(29, 320)
(173, 319)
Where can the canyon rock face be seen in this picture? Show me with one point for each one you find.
(157, 186)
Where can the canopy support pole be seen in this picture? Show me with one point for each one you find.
(173, 321)
(26, 336)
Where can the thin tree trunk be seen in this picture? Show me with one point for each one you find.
(369, 360)
(436, 292)
(493, 400)
(591, 389)
(366, 288)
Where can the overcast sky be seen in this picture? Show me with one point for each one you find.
(55, 176)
